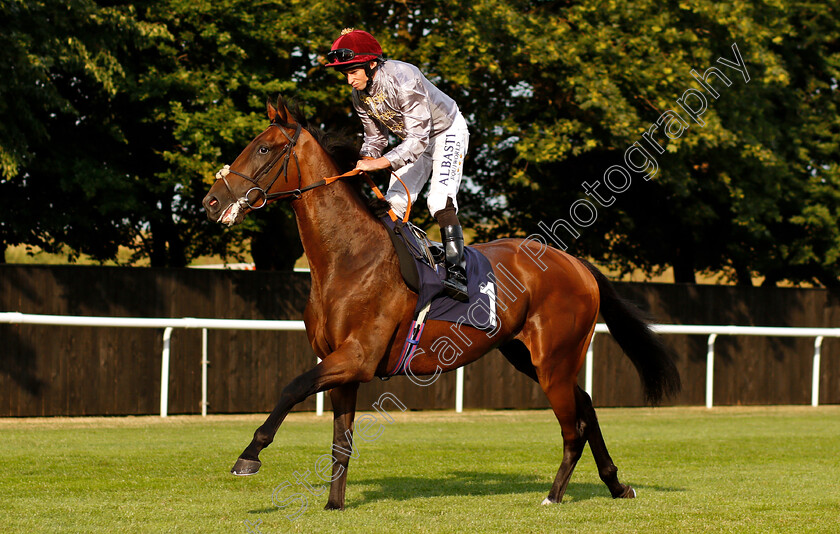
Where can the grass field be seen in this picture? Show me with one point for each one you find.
(695, 470)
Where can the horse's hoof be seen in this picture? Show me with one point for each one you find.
(547, 501)
(244, 467)
(628, 493)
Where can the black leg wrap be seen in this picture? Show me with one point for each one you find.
(455, 285)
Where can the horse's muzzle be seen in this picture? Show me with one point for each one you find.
(227, 213)
(212, 206)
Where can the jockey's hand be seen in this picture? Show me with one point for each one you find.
(369, 165)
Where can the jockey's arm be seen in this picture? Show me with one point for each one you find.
(373, 164)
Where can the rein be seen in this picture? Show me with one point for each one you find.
(287, 153)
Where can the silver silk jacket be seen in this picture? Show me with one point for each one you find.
(402, 100)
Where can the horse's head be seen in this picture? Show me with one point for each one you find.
(265, 171)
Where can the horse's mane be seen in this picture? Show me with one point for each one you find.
(341, 145)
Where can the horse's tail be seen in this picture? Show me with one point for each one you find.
(629, 327)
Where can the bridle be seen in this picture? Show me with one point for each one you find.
(287, 153)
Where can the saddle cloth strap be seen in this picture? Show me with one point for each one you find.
(411, 341)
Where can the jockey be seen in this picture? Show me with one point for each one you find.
(393, 96)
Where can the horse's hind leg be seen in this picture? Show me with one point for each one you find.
(592, 432)
(561, 395)
(560, 390)
(586, 427)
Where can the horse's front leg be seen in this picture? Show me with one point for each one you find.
(339, 368)
(344, 411)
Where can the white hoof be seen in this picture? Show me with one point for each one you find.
(546, 502)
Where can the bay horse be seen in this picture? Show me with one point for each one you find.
(356, 321)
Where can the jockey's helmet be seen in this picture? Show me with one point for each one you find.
(354, 49)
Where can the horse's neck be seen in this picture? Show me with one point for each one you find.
(337, 230)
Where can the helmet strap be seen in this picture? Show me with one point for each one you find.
(369, 72)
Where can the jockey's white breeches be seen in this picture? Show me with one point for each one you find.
(443, 161)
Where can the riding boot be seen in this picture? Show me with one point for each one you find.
(455, 285)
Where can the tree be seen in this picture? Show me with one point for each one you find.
(58, 62)
(125, 115)
(558, 92)
(557, 95)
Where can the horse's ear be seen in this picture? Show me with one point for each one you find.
(282, 111)
(271, 110)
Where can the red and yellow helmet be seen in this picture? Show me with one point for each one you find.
(353, 49)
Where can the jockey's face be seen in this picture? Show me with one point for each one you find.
(358, 78)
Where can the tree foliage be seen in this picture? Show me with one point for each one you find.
(62, 64)
(565, 92)
(117, 114)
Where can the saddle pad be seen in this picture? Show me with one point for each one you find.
(479, 312)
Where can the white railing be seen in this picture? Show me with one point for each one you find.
(168, 325)
(240, 324)
(713, 331)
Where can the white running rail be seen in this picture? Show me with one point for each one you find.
(240, 324)
(714, 331)
(168, 325)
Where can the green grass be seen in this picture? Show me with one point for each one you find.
(695, 470)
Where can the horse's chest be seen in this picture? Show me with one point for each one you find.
(324, 321)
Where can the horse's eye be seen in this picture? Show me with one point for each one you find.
(263, 150)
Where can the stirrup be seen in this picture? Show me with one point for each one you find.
(455, 286)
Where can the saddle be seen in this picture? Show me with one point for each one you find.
(412, 246)
(422, 267)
